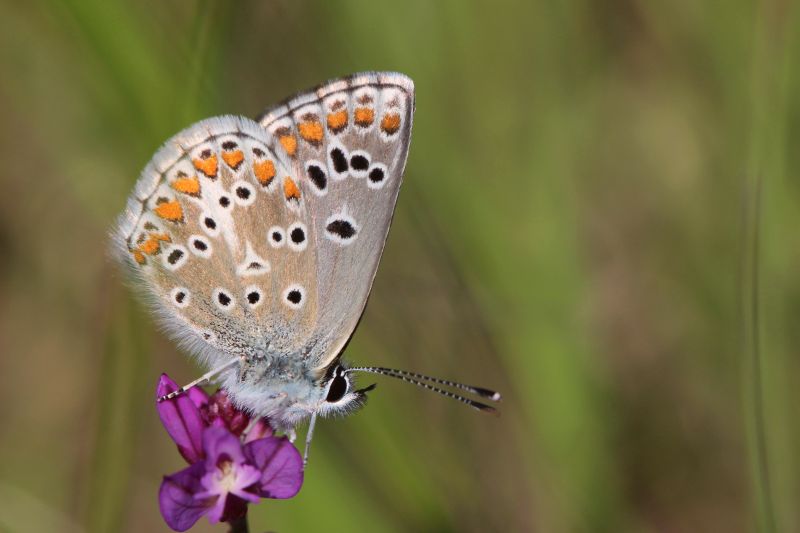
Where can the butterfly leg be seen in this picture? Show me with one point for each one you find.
(309, 435)
(202, 379)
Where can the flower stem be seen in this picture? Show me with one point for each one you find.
(239, 525)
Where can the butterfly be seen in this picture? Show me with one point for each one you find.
(257, 242)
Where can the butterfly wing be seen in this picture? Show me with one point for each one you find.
(264, 239)
(206, 231)
(348, 141)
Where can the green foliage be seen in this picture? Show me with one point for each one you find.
(579, 228)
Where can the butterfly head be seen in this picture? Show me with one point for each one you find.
(340, 395)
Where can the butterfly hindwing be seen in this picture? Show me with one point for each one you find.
(348, 141)
(207, 233)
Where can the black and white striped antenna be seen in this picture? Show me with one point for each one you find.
(420, 379)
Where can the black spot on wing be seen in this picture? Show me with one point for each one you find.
(376, 175)
(317, 177)
(359, 162)
(339, 160)
(174, 256)
(297, 235)
(294, 296)
(342, 228)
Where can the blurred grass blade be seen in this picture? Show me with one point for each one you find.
(120, 412)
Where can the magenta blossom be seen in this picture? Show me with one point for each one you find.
(233, 459)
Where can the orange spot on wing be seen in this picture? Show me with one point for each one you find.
(311, 131)
(138, 256)
(187, 185)
(233, 159)
(364, 116)
(390, 123)
(152, 245)
(264, 171)
(290, 190)
(207, 166)
(289, 143)
(337, 121)
(170, 211)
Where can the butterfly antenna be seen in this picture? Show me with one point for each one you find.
(202, 379)
(480, 391)
(417, 379)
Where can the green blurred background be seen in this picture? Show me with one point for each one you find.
(599, 219)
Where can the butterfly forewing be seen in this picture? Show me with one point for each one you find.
(348, 141)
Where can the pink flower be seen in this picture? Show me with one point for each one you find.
(229, 466)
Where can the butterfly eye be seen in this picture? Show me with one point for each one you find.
(338, 387)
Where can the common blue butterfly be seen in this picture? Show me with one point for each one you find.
(257, 243)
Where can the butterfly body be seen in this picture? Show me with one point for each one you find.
(258, 241)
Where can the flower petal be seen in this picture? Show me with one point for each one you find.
(220, 411)
(218, 509)
(260, 430)
(219, 442)
(246, 477)
(198, 396)
(227, 505)
(176, 500)
(182, 420)
(280, 464)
